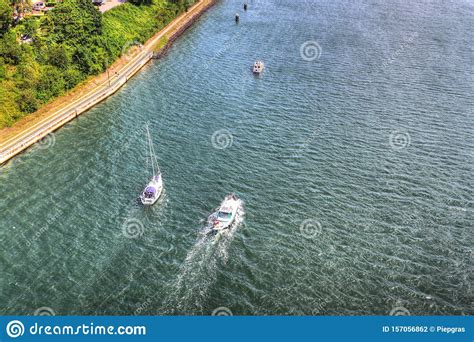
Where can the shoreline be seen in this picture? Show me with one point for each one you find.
(94, 90)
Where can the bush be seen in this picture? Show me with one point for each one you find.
(50, 84)
(27, 101)
(60, 55)
(9, 106)
(72, 77)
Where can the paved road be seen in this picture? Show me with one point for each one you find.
(31, 135)
(109, 4)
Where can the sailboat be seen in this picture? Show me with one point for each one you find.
(153, 190)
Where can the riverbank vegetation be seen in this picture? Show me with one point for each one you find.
(42, 57)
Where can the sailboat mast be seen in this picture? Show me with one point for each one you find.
(150, 149)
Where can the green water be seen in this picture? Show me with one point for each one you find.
(355, 165)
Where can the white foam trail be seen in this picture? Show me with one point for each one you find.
(199, 269)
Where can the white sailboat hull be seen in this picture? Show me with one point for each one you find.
(152, 191)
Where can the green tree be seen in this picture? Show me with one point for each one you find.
(60, 56)
(27, 101)
(6, 13)
(30, 26)
(90, 60)
(9, 107)
(9, 48)
(182, 4)
(28, 71)
(72, 77)
(75, 21)
(51, 83)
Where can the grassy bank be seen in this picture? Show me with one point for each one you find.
(69, 44)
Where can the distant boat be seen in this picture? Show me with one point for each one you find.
(153, 190)
(258, 67)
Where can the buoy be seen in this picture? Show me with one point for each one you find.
(237, 17)
(245, 7)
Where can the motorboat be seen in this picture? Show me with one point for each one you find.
(258, 67)
(154, 188)
(226, 214)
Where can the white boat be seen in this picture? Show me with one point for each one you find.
(153, 190)
(226, 214)
(258, 67)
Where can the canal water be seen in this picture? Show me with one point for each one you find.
(352, 153)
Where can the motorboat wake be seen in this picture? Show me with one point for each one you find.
(154, 188)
